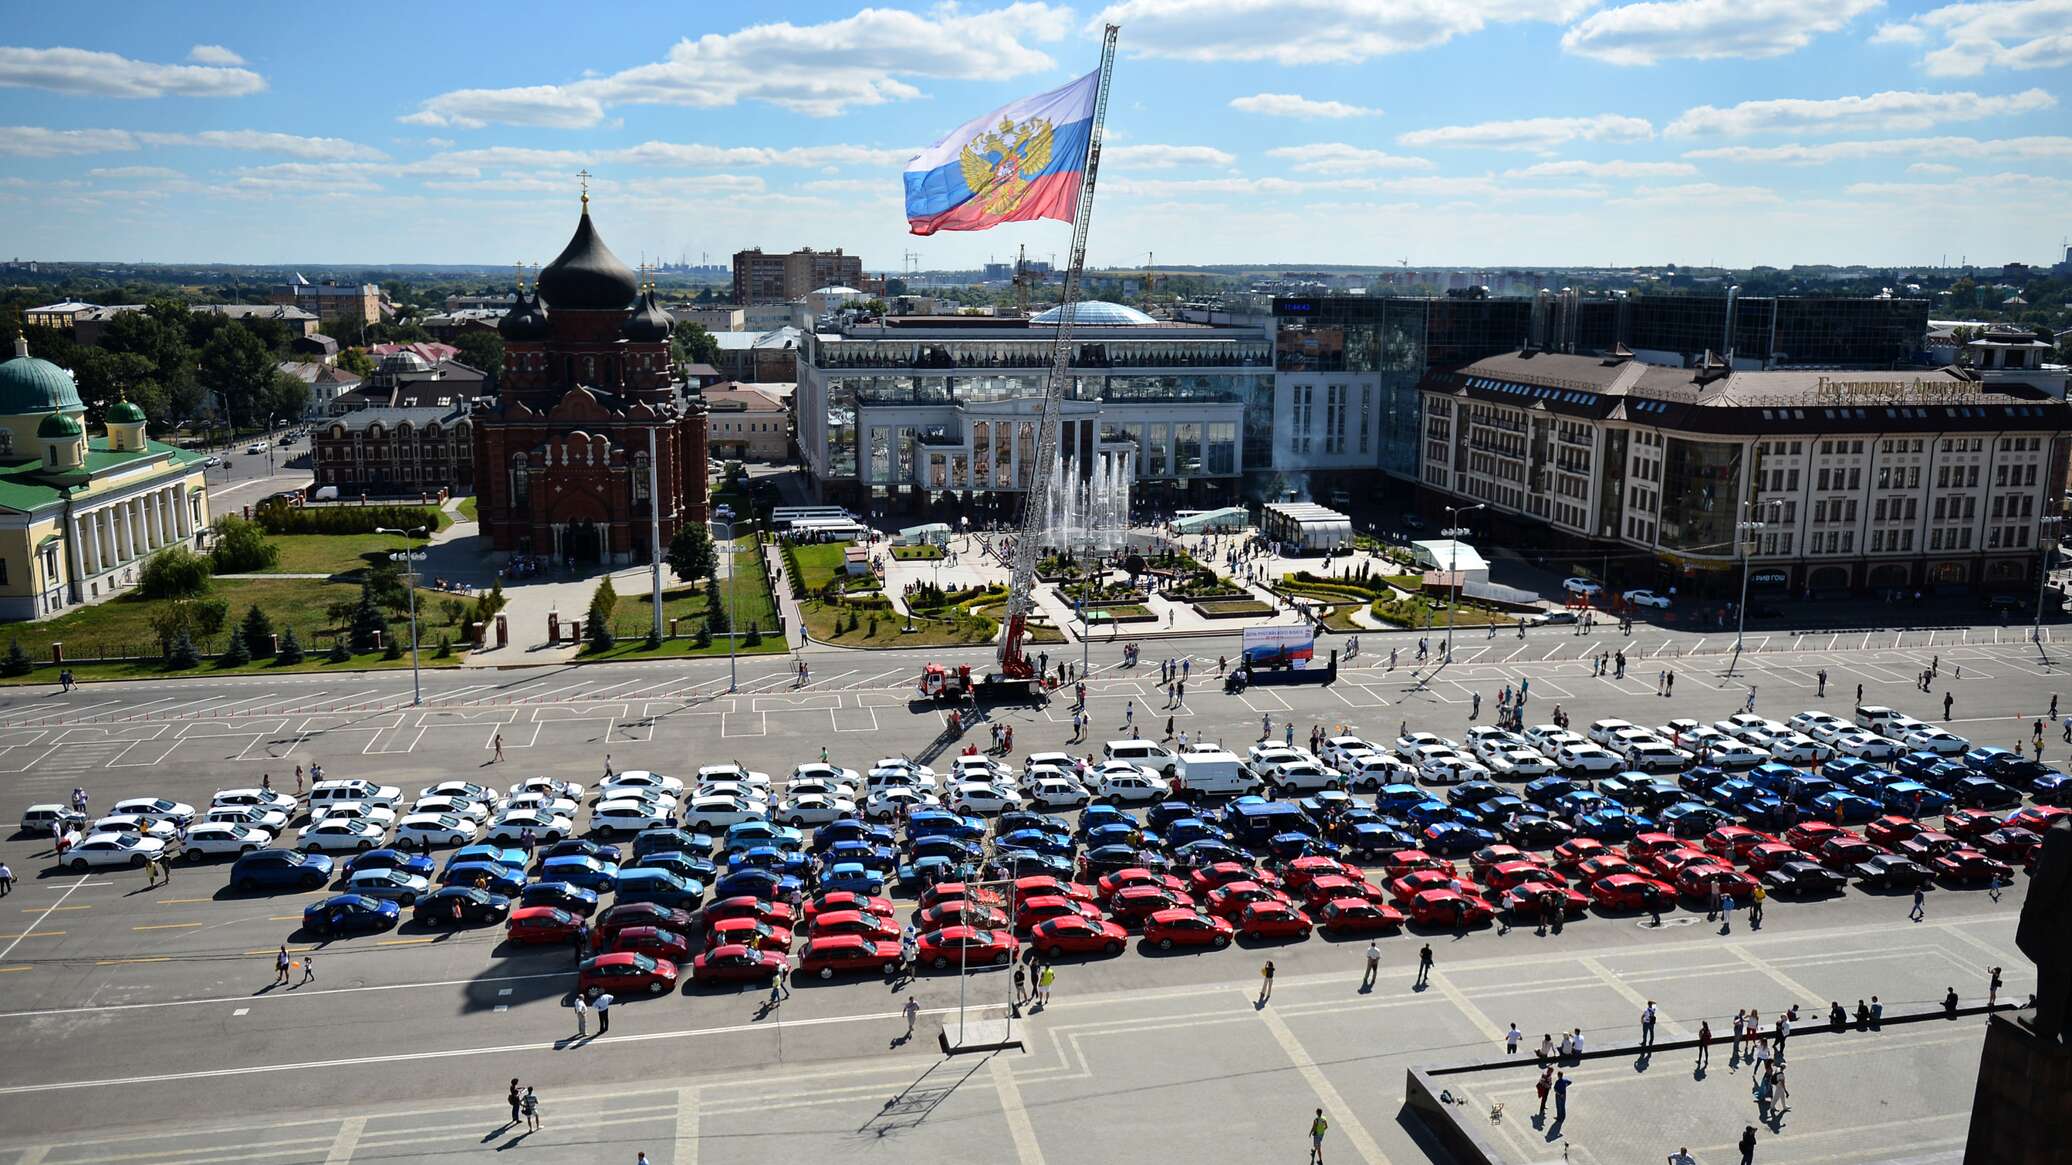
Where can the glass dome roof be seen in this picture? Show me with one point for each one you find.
(1095, 311)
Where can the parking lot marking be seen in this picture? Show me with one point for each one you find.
(1604, 973)
(13, 969)
(167, 926)
(1800, 990)
(347, 1140)
(184, 1002)
(53, 908)
(123, 962)
(407, 942)
(46, 913)
(1019, 1128)
(1462, 1004)
(1342, 1114)
(33, 934)
(241, 1011)
(687, 1115)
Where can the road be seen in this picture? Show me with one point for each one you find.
(147, 1030)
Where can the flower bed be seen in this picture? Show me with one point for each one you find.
(1232, 608)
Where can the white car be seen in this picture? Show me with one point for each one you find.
(802, 809)
(1055, 792)
(1102, 769)
(815, 787)
(757, 793)
(271, 799)
(256, 447)
(711, 814)
(834, 774)
(922, 773)
(512, 824)
(1137, 787)
(1408, 743)
(475, 811)
(984, 797)
(1797, 748)
(366, 811)
(1820, 725)
(885, 803)
(982, 770)
(1340, 750)
(1582, 586)
(164, 831)
(1518, 763)
(1056, 760)
(340, 833)
(324, 791)
(1437, 752)
(1682, 726)
(1627, 740)
(1306, 776)
(553, 786)
(1727, 753)
(735, 773)
(620, 784)
(1368, 774)
(464, 791)
(211, 838)
(1937, 741)
(1586, 758)
(101, 850)
(629, 816)
(1451, 770)
(1657, 756)
(249, 816)
(1604, 732)
(1865, 746)
(1265, 759)
(1548, 737)
(155, 809)
(422, 831)
(1646, 598)
(1899, 724)
(878, 780)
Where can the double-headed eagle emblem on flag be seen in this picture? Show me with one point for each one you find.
(998, 164)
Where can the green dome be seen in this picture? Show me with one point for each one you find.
(125, 412)
(58, 425)
(30, 385)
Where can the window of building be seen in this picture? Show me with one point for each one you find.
(1334, 418)
(1299, 429)
(1366, 407)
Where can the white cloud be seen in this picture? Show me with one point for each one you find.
(2034, 148)
(1612, 169)
(1159, 157)
(1343, 158)
(261, 141)
(2014, 187)
(1644, 34)
(819, 69)
(1168, 187)
(35, 141)
(213, 54)
(1295, 105)
(1700, 194)
(469, 163)
(1988, 35)
(1894, 111)
(1933, 168)
(1300, 33)
(309, 177)
(1534, 133)
(85, 73)
(125, 173)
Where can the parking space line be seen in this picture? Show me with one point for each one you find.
(1019, 1128)
(1810, 997)
(1342, 1114)
(347, 1140)
(13, 969)
(33, 934)
(1466, 1007)
(53, 908)
(123, 962)
(407, 942)
(687, 1115)
(167, 926)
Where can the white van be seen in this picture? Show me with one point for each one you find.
(38, 819)
(1875, 717)
(1148, 753)
(1213, 771)
(328, 793)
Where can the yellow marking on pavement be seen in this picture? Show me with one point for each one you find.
(121, 962)
(34, 934)
(284, 918)
(51, 909)
(276, 950)
(166, 926)
(1343, 1118)
(406, 942)
(13, 969)
(182, 901)
(347, 1141)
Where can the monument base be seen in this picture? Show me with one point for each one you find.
(977, 1035)
(2023, 1106)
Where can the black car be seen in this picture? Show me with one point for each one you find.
(1805, 880)
(652, 841)
(580, 847)
(1703, 779)
(1983, 793)
(1892, 872)
(474, 906)
(2006, 602)
(1535, 832)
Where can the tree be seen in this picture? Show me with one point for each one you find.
(174, 573)
(235, 653)
(208, 616)
(182, 653)
(236, 365)
(17, 662)
(603, 601)
(241, 546)
(715, 610)
(691, 553)
(481, 348)
(289, 397)
(338, 652)
(258, 632)
(356, 361)
(690, 343)
(291, 648)
(368, 624)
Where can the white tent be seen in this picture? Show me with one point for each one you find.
(1445, 554)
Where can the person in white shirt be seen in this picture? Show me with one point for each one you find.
(1682, 1157)
(1511, 1039)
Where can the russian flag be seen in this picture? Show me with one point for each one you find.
(1020, 162)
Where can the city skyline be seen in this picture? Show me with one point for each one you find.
(1558, 132)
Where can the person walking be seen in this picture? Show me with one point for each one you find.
(1993, 888)
(1755, 908)
(1780, 1093)
(309, 968)
(497, 742)
(1993, 989)
(1947, 701)
(1919, 911)
(1044, 978)
(1373, 966)
(1704, 1043)
(1317, 1128)
(1647, 1025)
(6, 880)
(1747, 1145)
(1545, 1086)
(912, 1011)
(1749, 704)
(1740, 1029)
(530, 1106)
(603, 1006)
(1560, 1097)
(1021, 982)
(1511, 1039)
(280, 971)
(582, 1009)
(1266, 982)
(1424, 965)
(517, 1098)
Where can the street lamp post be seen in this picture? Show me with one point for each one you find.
(410, 587)
(2047, 528)
(269, 445)
(1744, 532)
(727, 597)
(1453, 533)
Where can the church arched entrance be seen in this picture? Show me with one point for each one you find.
(582, 543)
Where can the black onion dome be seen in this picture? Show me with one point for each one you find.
(649, 323)
(587, 276)
(526, 320)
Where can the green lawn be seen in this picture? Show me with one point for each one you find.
(746, 594)
(1234, 607)
(332, 553)
(917, 553)
(122, 626)
(467, 509)
(818, 563)
(823, 619)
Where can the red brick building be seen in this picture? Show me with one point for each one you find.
(561, 452)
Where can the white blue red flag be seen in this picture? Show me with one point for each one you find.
(1022, 161)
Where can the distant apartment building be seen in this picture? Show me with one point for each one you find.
(747, 424)
(781, 278)
(352, 303)
(88, 327)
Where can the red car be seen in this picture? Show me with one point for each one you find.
(1112, 884)
(650, 940)
(1304, 870)
(2009, 843)
(1666, 863)
(1045, 886)
(747, 932)
(1928, 845)
(1410, 885)
(1073, 934)
(541, 924)
(748, 906)
(1038, 910)
(1134, 904)
(653, 914)
(1273, 920)
(1447, 908)
(1403, 861)
(1524, 899)
(1510, 874)
(1811, 835)
(1698, 880)
(2036, 818)
(839, 900)
(1842, 853)
(1209, 878)
(624, 972)
(838, 954)
(1230, 899)
(1490, 856)
(1322, 890)
(1735, 840)
(942, 892)
(1187, 928)
(1633, 892)
(856, 923)
(1604, 865)
(1969, 822)
(1892, 829)
(1359, 916)
(961, 912)
(1969, 865)
(736, 965)
(1576, 850)
(953, 945)
(1645, 844)
(1772, 854)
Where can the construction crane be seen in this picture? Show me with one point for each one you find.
(956, 681)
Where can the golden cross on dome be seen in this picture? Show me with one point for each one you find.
(584, 174)
(520, 266)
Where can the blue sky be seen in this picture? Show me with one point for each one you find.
(1471, 132)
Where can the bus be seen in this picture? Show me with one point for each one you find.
(782, 517)
(826, 530)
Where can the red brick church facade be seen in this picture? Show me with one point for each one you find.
(587, 388)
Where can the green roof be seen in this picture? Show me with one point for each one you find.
(30, 385)
(125, 412)
(26, 485)
(60, 425)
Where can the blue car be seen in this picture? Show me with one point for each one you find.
(932, 868)
(943, 846)
(1844, 808)
(1550, 790)
(1703, 779)
(1807, 791)
(350, 914)
(878, 858)
(482, 851)
(1188, 829)
(1399, 799)
(685, 841)
(941, 823)
(770, 857)
(1583, 801)
(1451, 839)
(280, 869)
(1095, 816)
(1164, 813)
(754, 834)
(1042, 841)
(768, 885)
(390, 859)
(1112, 833)
(581, 847)
(1772, 776)
(1015, 820)
(666, 889)
(1026, 863)
(1986, 759)
(497, 879)
(1916, 799)
(1609, 824)
(1983, 793)
(1761, 807)
(683, 865)
(850, 829)
(1207, 851)
(563, 895)
(1109, 858)
(1690, 819)
(1915, 764)
(1730, 792)
(1433, 812)
(854, 877)
(1494, 812)
(1365, 842)
(2052, 788)
(589, 873)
